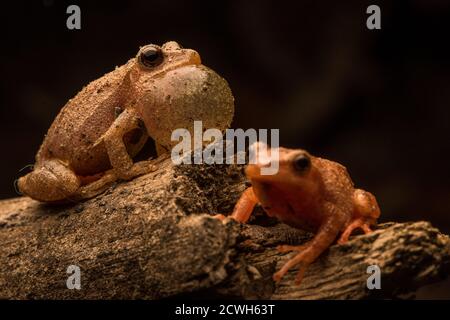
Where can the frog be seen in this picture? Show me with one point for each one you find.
(308, 193)
(93, 140)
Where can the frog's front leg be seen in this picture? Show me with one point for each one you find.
(310, 251)
(121, 162)
(243, 208)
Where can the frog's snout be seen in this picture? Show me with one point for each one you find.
(252, 171)
(260, 154)
(192, 57)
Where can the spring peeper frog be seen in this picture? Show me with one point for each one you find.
(310, 193)
(93, 139)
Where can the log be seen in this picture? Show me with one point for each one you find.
(154, 237)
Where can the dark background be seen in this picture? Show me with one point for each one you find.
(376, 101)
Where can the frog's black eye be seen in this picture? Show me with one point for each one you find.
(302, 162)
(151, 57)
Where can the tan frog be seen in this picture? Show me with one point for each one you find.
(93, 139)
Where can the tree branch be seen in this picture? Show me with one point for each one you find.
(153, 237)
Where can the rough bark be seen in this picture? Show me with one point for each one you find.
(153, 237)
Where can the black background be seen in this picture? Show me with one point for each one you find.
(376, 101)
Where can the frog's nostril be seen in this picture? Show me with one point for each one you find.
(171, 45)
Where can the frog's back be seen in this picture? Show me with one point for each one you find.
(82, 121)
(338, 186)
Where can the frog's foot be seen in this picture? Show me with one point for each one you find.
(51, 182)
(355, 224)
(219, 216)
(96, 187)
(301, 259)
(138, 169)
(288, 248)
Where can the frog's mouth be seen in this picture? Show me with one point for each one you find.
(193, 57)
(253, 171)
(263, 171)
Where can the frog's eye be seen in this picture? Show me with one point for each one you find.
(302, 162)
(151, 57)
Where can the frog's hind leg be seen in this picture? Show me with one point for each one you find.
(354, 224)
(288, 248)
(366, 213)
(50, 182)
(311, 250)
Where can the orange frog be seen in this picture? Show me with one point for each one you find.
(310, 193)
